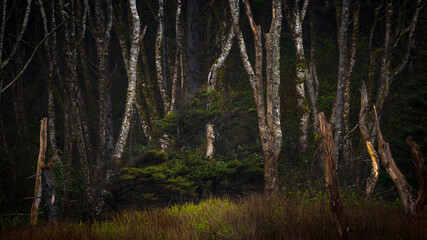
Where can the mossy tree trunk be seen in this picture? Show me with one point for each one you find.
(104, 23)
(269, 113)
(65, 103)
(295, 18)
(347, 157)
(148, 115)
(343, 13)
(79, 127)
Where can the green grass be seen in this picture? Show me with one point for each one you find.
(296, 215)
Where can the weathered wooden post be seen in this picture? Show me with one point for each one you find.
(38, 185)
(331, 177)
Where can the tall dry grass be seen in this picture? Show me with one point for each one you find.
(292, 216)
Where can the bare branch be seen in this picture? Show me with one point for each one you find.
(34, 53)
(19, 38)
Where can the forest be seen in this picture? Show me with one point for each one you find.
(214, 119)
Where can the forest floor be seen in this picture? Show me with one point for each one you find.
(296, 215)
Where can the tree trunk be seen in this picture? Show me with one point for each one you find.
(342, 22)
(48, 183)
(141, 80)
(295, 18)
(347, 157)
(421, 168)
(387, 74)
(272, 45)
(161, 81)
(38, 185)
(20, 31)
(143, 124)
(12, 165)
(49, 195)
(373, 178)
(104, 23)
(212, 81)
(331, 177)
(178, 53)
(131, 91)
(312, 78)
(193, 41)
(402, 186)
(78, 118)
(50, 87)
(268, 118)
(68, 149)
(23, 143)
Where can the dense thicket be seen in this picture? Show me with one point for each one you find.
(128, 101)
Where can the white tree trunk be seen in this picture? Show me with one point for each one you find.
(178, 53)
(212, 80)
(159, 60)
(295, 20)
(131, 91)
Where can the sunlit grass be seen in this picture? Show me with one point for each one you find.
(295, 215)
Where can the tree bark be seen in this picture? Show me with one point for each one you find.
(50, 88)
(2, 30)
(268, 118)
(373, 178)
(421, 168)
(104, 23)
(68, 148)
(331, 177)
(272, 42)
(161, 81)
(21, 121)
(178, 53)
(193, 41)
(148, 87)
(212, 81)
(387, 74)
(399, 180)
(347, 146)
(131, 91)
(18, 40)
(312, 78)
(38, 185)
(149, 116)
(342, 22)
(49, 195)
(160, 70)
(295, 19)
(78, 117)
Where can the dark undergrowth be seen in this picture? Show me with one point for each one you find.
(291, 216)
